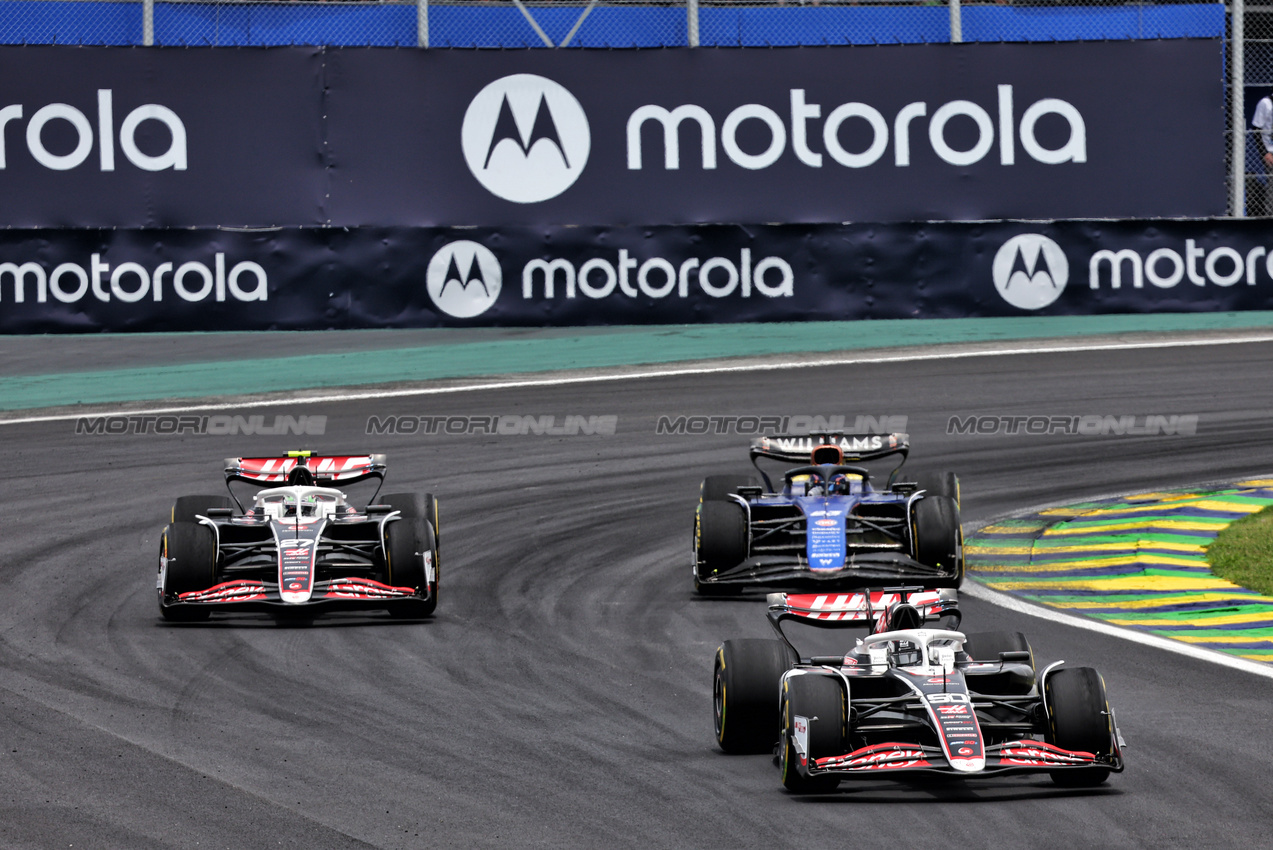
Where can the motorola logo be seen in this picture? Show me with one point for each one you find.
(463, 279)
(1030, 271)
(525, 138)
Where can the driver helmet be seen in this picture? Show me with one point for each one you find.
(826, 453)
(904, 653)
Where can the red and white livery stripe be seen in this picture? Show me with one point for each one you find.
(850, 607)
(230, 591)
(361, 588)
(878, 757)
(275, 469)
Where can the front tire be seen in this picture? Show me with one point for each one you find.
(745, 681)
(189, 554)
(820, 701)
(938, 538)
(720, 542)
(408, 540)
(1078, 719)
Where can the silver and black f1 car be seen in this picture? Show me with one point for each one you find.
(299, 545)
(909, 699)
(826, 524)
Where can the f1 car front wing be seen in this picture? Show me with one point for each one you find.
(860, 571)
(1011, 757)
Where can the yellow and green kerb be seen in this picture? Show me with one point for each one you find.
(1138, 561)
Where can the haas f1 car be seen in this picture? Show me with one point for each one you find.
(909, 698)
(826, 524)
(299, 545)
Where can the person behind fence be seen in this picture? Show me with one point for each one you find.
(1263, 122)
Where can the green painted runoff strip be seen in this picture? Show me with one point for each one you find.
(614, 347)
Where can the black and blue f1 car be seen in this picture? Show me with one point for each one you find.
(908, 699)
(827, 523)
(300, 546)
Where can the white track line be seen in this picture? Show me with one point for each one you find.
(1013, 603)
(635, 373)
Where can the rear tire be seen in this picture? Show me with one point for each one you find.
(720, 542)
(939, 538)
(406, 541)
(431, 514)
(1078, 720)
(191, 553)
(188, 508)
(409, 504)
(811, 696)
(745, 680)
(718, 488)
(986, 646)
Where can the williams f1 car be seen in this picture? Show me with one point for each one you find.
(826, 524)
(299, 545)
(909, 698)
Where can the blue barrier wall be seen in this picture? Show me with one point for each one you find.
(53, 22)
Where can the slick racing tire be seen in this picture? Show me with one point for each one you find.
(190, 551)
(941, 484)
(1014, 679)
(745, 681)
(938, 539)
(717, 488)
(413, 505)
(188, 508)
(407, 539)
(811, 696)
(431, 514)
(720, 542)
(409, 504)
(986, 646)
(1078, 719)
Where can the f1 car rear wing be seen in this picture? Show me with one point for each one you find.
(832, 610)
(797, 448)
(850, 448)
(305, 467)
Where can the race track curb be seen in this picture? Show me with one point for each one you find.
(1137, 562)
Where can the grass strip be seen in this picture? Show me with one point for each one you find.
(1243, 552)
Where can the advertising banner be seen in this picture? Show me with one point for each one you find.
(298, 279)
(139, 137)
(298, 137)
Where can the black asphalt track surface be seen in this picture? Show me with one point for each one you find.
(561, 696)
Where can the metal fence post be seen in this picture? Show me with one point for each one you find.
(956, 22)
(148, 22)
(691, 23)
(422, 23)
(1237, 108)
